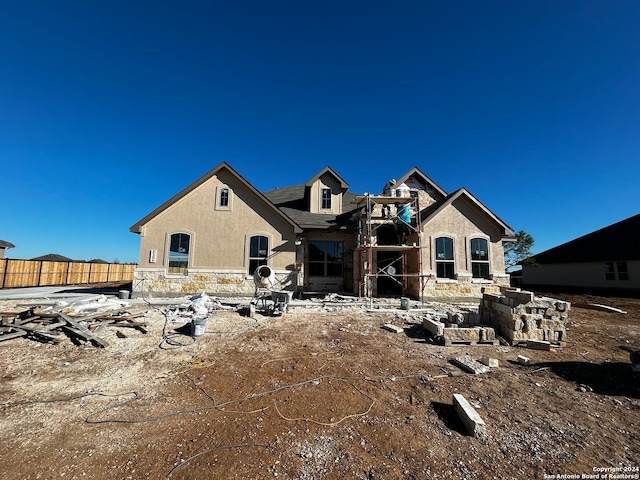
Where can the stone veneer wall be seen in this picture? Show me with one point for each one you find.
(464, 287)
(518, 315)
(154, 283)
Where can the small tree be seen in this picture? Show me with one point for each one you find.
(518, 250)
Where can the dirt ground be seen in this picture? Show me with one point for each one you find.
(322, 392)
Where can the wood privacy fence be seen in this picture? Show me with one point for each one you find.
(40, 273)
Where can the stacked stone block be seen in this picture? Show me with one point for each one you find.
(519, 315)
(459, 327)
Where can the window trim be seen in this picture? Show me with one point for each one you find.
(446, 262)
(183, 270)
(326, 200)
(486, 262)
(262, 260)
(220, 190)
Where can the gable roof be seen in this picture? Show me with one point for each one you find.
(292, 202)
(136, 227)
(344, 185)
(416, 172)
(432, 210)
(618, 241)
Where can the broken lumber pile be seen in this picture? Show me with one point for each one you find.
(50, 327)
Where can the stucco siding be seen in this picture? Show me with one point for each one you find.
(326, 181)
(219, 237)
(461, 223)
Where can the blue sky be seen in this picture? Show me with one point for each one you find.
(108, 108)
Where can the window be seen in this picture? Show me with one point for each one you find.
(224, 197)
(479, 258)
(445, 266)
(326, 258)
(258, 252)
(326, 198)
(179, 253)
(616, 271)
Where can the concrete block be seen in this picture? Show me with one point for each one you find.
(539, 345)
(490, 362)
(433, 327)
(521, 296)
(392, 328)
(461, 335)
(492, 297)
(471, 419)
(522, 360)
(552, 324)
(487, 334)
(504, 310)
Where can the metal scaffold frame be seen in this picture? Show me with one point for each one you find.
(368, 268)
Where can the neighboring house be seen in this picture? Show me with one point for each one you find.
(319, 237)
(53, 257)
(605, 260)
(3, 246)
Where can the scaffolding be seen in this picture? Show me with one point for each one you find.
(401, 263)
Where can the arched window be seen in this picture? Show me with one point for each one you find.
(258, 252)
(445, 261)
(179, 253)
(480, 258)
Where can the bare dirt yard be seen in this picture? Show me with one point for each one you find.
(322, 392)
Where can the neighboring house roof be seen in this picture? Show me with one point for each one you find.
(615, 242)
(53, 257)
(417, 173)
(136, 227)
(344, 185)
(433, 210)
(292, 202)
(4, 244)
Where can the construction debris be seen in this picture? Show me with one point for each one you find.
(599, 306)
(472, 421)
(522, 360)
(470, 365)
(490, 362)
(392, 328)
(539, 345)
(41, 325)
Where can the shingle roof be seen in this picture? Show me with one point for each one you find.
(615, 242)
(53, 257)
(293, 203)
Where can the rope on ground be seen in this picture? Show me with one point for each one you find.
(195, 362)
(209, 450)
(331, 424)
(305, 356)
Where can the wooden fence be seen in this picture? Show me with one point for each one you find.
(40, 273)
